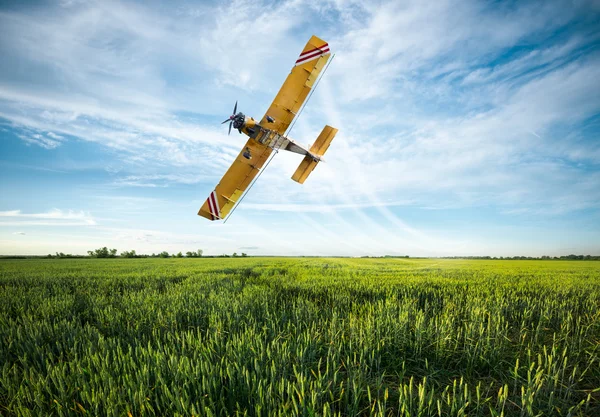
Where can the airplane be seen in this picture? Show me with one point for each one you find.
(269, 134)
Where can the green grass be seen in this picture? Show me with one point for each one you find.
(272, 336)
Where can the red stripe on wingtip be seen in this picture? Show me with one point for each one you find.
(217, 214)
(316, 54)
(210, 207)
(313, 50)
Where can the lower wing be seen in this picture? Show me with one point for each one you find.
(235, 181)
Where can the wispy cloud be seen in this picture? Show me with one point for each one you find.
(108, 82)
(160, 180)
(324, 208)
(47, 141)
(54, 217)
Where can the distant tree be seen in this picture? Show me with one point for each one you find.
(179, 255)
(199, 253)
(190, 254)
(235, 254)
(244, 255)
(129, 254)
(163, 254)
(103, 253)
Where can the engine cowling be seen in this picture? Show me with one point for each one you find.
(239, 120)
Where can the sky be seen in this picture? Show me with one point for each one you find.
(465, 127)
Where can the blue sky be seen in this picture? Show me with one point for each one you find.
(466, 128)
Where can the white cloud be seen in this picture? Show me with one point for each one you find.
(379, 59)
(55, 136)
(159, 180)
(54, 217)
(322, 208)
(40, 140)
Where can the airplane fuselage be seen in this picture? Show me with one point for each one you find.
(272, 139)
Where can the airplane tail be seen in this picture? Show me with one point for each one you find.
(318, 148)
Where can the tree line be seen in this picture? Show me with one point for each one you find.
(104, 252)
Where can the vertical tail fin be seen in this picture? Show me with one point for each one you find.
(318, 148)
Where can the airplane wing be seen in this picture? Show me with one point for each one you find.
(287, 103)
(297, 85)
(235, 181)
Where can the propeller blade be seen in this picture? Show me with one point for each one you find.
(228, 120)
(230, 128)
(235, 107)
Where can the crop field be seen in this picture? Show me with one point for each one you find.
(299, 337)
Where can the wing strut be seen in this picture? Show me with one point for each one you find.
(250, 186)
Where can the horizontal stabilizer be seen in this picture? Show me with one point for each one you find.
(318, 148)
(323, 141)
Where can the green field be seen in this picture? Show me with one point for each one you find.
(273, 336)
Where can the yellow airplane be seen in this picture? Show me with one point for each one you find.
(269, 134)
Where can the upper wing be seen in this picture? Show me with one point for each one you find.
(297, 85)
(235, 181)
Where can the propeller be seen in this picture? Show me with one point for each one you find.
(230, 120)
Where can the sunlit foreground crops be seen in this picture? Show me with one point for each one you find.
(289, 337)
